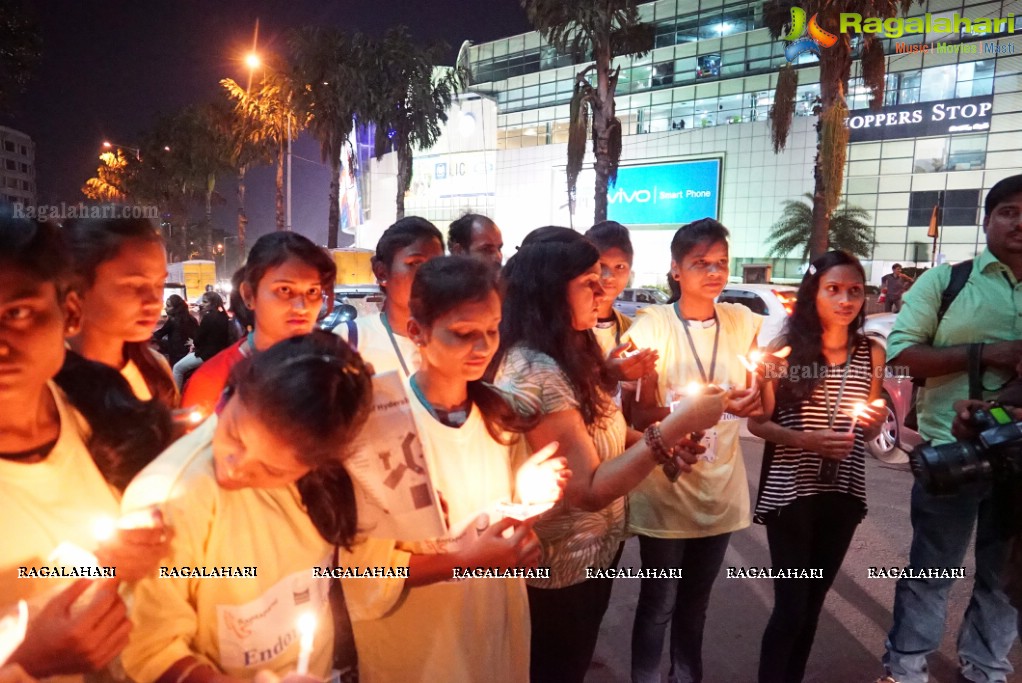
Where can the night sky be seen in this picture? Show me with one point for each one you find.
(110, 69)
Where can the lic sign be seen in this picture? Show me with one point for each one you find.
(665, 194)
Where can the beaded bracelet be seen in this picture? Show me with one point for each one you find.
(655, 442)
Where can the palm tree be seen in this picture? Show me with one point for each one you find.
(849, 229)
(272, 109)
(406, 97)
(832, 108)
(20, 43)
(244, 146)
(600, 30)
(325, 63)
(109, 183)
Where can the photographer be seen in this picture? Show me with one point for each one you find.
(942, 349)
(1010, 501)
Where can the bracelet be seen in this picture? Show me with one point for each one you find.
(655, 442)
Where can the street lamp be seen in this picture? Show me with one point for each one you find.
(110, 145)
(253, 62)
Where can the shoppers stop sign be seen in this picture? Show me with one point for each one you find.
(966, 115)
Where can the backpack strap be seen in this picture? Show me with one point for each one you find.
(959, 276)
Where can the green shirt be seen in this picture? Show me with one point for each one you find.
(988, 309)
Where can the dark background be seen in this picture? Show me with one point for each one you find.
(110, 69)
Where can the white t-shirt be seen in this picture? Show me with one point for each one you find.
(239, 625)
(468, 630)
(47, 503)
(713, 498)
(375, 347)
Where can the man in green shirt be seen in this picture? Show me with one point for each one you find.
(987, 312)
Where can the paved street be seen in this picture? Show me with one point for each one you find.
(856, 616)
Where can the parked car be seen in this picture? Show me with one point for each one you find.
(899, 394)
(634, 299)
(775, 302)
(351, 301)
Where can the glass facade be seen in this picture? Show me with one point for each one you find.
(706, 87)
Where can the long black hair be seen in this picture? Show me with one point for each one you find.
(536, 314)
(125, 433)
(317, 390)
(804, 331)
(440, 286)
(95, 241)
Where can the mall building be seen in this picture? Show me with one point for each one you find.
(697, 140)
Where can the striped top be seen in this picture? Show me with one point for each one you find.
(793, 472)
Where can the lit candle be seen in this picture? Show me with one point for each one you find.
(857, 411)
(306, 632)
(104, 528)
(693, 389)
(535, 483)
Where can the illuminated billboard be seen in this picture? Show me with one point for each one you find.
(665, 194)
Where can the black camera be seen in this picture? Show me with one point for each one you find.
(994, 454)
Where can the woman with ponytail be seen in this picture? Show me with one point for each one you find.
(259, 489)
(424, 627)
(120, 267)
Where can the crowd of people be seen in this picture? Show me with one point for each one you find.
(229, 531)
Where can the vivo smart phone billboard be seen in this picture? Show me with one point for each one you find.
(665, 194)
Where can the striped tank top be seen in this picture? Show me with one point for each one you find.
(793, 472)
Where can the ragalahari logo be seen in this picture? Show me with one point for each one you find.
(799, 43)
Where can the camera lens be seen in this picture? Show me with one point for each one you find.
(946, 468)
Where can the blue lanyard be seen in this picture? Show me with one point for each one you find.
(707, 379)
(393, 342)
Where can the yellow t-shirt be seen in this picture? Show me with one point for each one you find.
(713, 498)
(469, 630)
(239, 625)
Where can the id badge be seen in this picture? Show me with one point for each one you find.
(710, 443)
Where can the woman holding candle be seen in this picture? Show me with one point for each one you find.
(285, 282)
(422, 628)
(382, 338)
(688, 523)
(550, 360)
(259, 488)
(812, 492)
(52, 488)
(120, 266)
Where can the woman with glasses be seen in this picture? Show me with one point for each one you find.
(285, 281)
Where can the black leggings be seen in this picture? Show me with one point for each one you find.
(565, 628)
(813, 532)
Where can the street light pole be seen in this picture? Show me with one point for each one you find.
(289, 169)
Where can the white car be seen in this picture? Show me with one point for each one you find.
(774, 302)
(633, 299)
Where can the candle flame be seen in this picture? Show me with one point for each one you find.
(104, 528)
(306, 625)
(693, 389)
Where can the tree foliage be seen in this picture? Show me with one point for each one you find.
(835, 68)
(849, 229)
(406, 96)
(20, 49)
(596, 30)
(326, 65)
